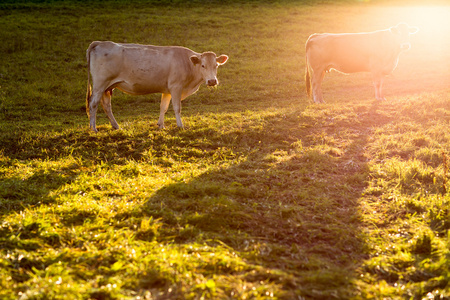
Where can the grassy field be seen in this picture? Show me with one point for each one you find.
(264, 195)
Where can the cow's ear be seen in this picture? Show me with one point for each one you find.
(413, 30)
(195, 59)
(222, 59)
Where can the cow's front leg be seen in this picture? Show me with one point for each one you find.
(165, 100)
(378, 85)
(176, 102)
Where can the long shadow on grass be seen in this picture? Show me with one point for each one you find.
(291, 208)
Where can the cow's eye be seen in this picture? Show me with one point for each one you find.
(203, 66)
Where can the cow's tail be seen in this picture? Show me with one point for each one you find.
(307, 79)
(307, 69)
(89, 89)
(88, 96)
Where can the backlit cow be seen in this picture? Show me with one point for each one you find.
(176, 72)
(376, 52)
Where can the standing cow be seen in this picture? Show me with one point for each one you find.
(376, 52)
(176, 72)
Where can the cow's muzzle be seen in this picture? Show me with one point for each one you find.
(211, 82)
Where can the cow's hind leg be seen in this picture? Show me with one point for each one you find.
(317, 78)
(93, 105)
(106, 104)
(165, 101)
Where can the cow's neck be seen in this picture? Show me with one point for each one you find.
(192, 84)
(196, 80)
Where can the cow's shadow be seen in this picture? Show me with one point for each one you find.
(295, 206)
(254, 208)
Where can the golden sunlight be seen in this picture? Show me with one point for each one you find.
(429, 56)
(433, 21)
(426, 65)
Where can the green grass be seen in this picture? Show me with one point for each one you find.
(263, 195)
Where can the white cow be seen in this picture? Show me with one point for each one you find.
(376, 52)
(176, 72)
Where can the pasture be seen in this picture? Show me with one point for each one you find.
(264, 195)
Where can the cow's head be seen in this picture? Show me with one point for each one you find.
(401, 33)
(208, 63)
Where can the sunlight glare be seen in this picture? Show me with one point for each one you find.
(433, 21)
(431, 44)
